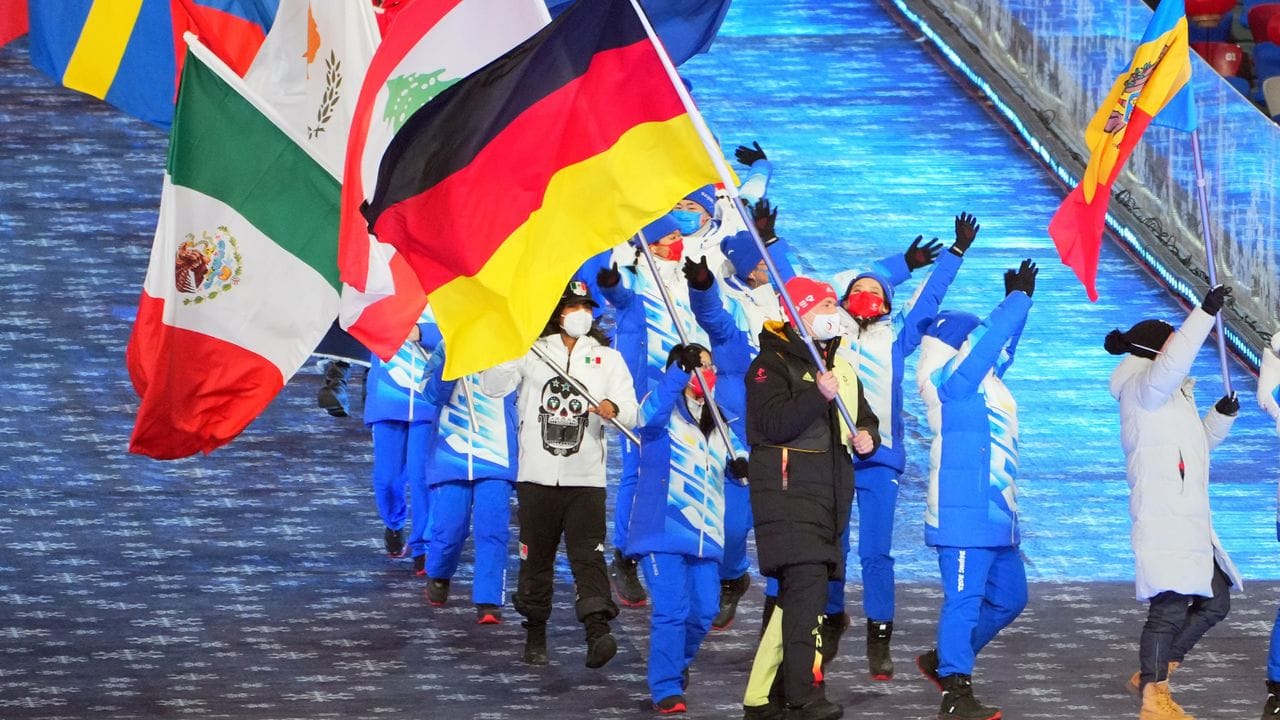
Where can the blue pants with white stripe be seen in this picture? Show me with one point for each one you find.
(482, 509)
(983, 590)
(685, 592)
(737, 524)
(400, 457)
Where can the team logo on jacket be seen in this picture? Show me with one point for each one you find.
(563, 417)
(207, 267)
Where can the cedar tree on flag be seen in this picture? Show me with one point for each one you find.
(430, 46)
(243, 279)
(1156, 85)
(497, 190)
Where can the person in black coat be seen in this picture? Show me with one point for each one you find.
(801, 480)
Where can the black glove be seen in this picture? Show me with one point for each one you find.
(765, 217)
(687, 357)
(918, 256)
(698, 274)
(967, 228)
(608, 277)
(738, 468)
(1228, 405)
(1024, 278)
(749, 155)
(1214, 299)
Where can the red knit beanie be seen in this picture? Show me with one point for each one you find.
(806, 293)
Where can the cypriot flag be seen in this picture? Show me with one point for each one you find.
(243, 279)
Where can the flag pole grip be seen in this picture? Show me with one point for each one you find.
(1202, 193)
(726, 177)
(582, 390)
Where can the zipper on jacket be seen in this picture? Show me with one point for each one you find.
(784, 468)
(1182, 470)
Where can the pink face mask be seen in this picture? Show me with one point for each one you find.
(864, 304)
(696, 387)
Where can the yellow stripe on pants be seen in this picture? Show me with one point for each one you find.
(96, 59)
(765, 666)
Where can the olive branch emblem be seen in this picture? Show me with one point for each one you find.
(329, 100)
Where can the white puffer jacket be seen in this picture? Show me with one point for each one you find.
(1268, 384)
(1166, 445)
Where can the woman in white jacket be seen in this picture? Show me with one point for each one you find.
(1182, 570)
(560, 483)
(1268, 385)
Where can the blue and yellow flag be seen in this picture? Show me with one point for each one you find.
(120, 51)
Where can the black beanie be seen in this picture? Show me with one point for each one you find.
(1143, 340)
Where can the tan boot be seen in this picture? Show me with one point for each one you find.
(1134, 686)
(1158, 704)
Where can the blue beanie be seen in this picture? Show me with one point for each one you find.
(744, 254)
(660, 228)
(953, 327)
(885, 286)
(706, 197)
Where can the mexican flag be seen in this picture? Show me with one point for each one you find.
(243, 279)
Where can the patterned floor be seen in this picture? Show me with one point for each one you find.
(249, 584)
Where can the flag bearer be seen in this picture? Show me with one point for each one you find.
(560, 484)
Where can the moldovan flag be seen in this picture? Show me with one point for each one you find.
(430, 46)
(1156, 83)
(502, 186)
(243, 276)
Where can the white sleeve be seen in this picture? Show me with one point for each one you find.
(500, 380)
(1269, 379)
(621, 392)
(1161, 380)
(1216, 427)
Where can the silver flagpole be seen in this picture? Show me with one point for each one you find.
(582, 389)
(1202, 192)
(684, 340)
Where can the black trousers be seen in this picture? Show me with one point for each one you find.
(546, 513)
(1176, 622)
(802, 596)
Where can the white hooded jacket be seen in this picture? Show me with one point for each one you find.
(1166, 445)
(560, 442)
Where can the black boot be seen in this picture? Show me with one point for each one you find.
(832, 627)
(770, 602)
(878, 660)
(332, 398)
(601, 646)
(625, 574)
(731, 591)
(1272, 708)
(928, 666)
(535, 642)
(958, 701)
(819, 709)
(394, 541)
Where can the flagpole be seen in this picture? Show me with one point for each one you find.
(582, 390)
(726, 177)
(684, 340)
(1202, 193)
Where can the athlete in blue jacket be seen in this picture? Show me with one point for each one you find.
(646, 332)
(471, 470)
(677, 518)
(877, 341)
(402, 422)
(972, 512)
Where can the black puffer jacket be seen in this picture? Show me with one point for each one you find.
(801, 475)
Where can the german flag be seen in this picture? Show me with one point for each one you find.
(498, 189)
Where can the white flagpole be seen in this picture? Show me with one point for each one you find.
(1202, 192)
(726, 177)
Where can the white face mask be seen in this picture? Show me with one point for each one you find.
(825, 327)
(577, 323)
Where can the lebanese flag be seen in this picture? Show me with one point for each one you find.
(430, 47)
(243, 277)
(13, 20)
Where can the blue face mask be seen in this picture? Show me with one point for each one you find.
(690, 221)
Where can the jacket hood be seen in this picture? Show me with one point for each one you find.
(782, 337)
(1127, 368)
